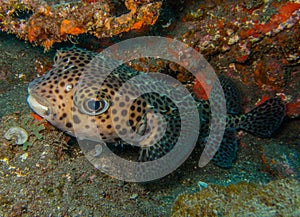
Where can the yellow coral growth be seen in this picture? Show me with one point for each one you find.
(280, 197)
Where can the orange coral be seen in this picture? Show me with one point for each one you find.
(131, 5)
(47, 44)
(69, 27)
(262, 100)
(32, 31)
(286, 10)
(148, 18)
(137, 25)
(144, 17)
(269, 72)
(284, 13)
(293, 109)
(47, 25)
(242, 58)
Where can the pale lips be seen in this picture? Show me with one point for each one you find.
(36, 106)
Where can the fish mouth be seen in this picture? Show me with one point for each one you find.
(38, 105)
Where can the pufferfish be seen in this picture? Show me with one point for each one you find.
(56, 96)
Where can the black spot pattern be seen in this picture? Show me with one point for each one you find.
(73, 65)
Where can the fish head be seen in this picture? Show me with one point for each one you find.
(87, 106)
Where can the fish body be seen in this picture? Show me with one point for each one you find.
(78, 103)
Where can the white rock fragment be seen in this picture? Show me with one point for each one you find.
(23, 157)
(18, 133)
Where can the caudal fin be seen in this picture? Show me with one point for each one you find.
(265, 119)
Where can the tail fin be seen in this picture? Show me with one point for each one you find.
(265, 119)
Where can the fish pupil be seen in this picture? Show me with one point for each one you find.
(94, 105)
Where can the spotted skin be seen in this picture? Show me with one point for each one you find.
(72, 99)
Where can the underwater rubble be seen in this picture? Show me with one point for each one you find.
(277, 198)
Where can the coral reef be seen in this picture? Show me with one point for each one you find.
(293, 109)
(40, 23)
(277, 198)
(254, 42)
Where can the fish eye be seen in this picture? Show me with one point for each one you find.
(69, 87)
(95, 107)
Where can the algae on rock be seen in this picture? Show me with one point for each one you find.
(277, 198)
